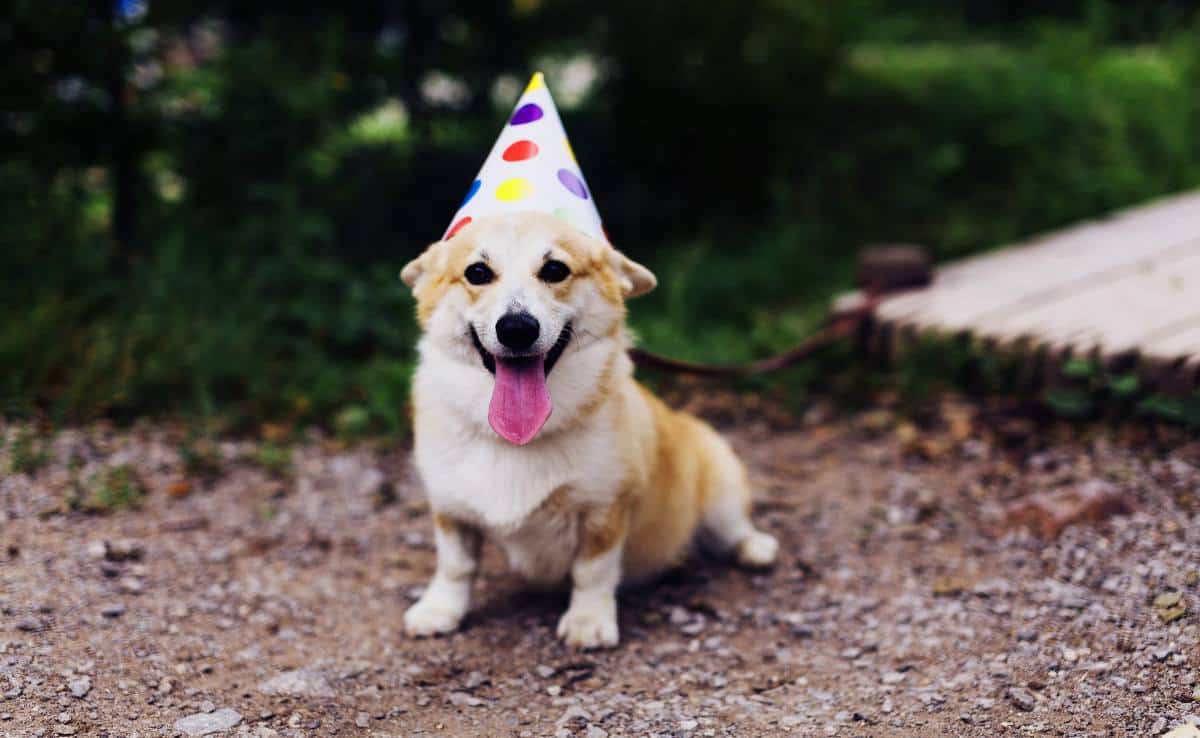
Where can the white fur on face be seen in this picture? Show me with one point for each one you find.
(516, 255)
(515, 251)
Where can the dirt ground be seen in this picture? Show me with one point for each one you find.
(254, 595)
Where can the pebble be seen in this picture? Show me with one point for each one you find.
(573, 715)
(113, 610)
(594, 731)
(203, 724)
(462, 699)
(1022, 698)
(80, 687)
(892, 677)
(362, 720)
(307, 682)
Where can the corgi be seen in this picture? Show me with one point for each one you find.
(530, 430)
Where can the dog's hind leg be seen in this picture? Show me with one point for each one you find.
(725, 518)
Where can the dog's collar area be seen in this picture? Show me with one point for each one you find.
(552, 356)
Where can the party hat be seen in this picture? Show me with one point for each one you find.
(531, 169)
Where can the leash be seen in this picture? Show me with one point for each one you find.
(839, 327)
(881, 271)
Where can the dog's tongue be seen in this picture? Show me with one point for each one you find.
(520, 401)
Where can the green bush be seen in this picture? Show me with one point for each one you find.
(744, 153)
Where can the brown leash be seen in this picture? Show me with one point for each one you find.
(839, 327)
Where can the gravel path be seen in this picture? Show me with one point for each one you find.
(266, 598)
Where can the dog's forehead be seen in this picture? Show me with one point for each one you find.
(528, 239)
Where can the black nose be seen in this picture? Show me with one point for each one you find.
(518, 331)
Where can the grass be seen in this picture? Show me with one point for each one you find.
(109, 490)
(27, 452)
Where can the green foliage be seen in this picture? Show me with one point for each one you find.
(27, 452)
(1182, 410)
(222, 237)
(274, 458)
(115, 488)
(200, 456)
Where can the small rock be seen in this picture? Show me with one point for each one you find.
(892, 677)
(80, 687)
(1186, 730)
(113, 610)
(123, 550)
(545, 672)
(204, 723)
(1022, 699)
(462, 699)
(572, 716)
(165, 685)
(207, 706)
(305, 682)
(65, 730)
(131, 585)
(29, 625)
(595, 732)
(362, 720)
(1167, 600)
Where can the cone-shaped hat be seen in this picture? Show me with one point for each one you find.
(531, 169)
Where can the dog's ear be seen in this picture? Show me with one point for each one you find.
(418, 267)
(634, 278)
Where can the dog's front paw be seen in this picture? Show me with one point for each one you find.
(587, 628)
(758, 550)
(431, 618)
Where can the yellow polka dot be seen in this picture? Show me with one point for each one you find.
(536, 83)
(571, 151)
(511, 190)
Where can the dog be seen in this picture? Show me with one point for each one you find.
(531, 431)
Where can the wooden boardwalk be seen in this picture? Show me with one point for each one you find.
(1122, 289)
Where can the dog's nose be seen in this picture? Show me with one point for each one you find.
(517, 331)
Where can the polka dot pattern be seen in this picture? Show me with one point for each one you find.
(573, 183)
(458, 226)
(532, 168)
(520, 150)
(471, 193)
(512, 190)
(527, 113)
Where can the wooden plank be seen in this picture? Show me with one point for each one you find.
(1122, 287)
(1181, 343)
(1031, 274)
(1113, 315)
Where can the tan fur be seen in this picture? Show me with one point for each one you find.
(614, 487)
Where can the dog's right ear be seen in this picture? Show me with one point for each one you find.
(418, 267)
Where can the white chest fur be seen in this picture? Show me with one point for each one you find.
(473, 475)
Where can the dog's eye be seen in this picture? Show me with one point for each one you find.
(479, 273)
(554, 271)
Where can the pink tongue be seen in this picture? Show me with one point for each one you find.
(520, 401)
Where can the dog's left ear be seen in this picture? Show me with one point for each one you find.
(415, 269)
(635, 279)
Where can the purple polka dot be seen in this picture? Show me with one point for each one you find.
(527, 113)
(573, 183)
